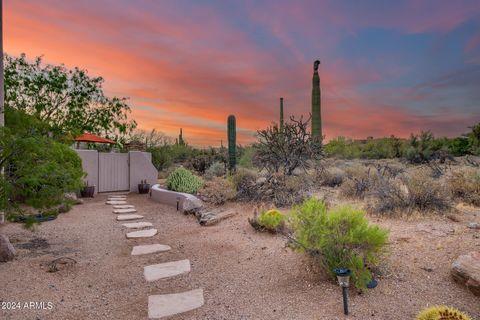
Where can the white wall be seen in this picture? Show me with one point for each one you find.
(141, 168)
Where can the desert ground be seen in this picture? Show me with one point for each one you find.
(245, 274)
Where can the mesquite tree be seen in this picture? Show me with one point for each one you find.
(285, 150)
(69, 100)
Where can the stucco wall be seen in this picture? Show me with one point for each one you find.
(90, 166)
(141, 168)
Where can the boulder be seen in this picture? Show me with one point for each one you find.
(466, 270)
(7, 252)
(214, 216)
(191, 205)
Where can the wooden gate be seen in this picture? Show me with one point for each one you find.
(113, 172)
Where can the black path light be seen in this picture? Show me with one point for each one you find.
(343, 277)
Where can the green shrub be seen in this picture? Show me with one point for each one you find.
(217, 169)
(465, 185)
(271, 220)
(161, 157)
(341, 237)
(442, 313)
(182, 180)
(246, 158)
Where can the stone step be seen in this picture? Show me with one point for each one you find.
(123, 206)
(118, 211)
(116, 202)
(165, 270)
(124, 217)
(147, 233)
(165, 305)
(149, 248)
(137, 225)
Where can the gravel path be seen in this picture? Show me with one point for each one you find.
(244, 274)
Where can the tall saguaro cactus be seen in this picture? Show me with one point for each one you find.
(180, 138)
(281, 114)
(232, 142)
(316, 103)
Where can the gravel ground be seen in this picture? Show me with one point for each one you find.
(244, 274)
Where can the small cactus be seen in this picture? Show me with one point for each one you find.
(182, 180)
(442, 313)
(232, 143)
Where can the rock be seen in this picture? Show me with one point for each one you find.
(123, 206)
(149, 248)
(137, 225)
(116, 202)
(261, 180)
(474, 225)
(191, 205)
(466, 270)
(124, 217)
(119, 211)
(165, 270)
(211, 217)
(147, 233)
(164, 305)
(7, 252)
(70, 196)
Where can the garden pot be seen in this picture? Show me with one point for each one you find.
(87, 192)
(143, 188)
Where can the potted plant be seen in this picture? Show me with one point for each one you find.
(143, 187)
(87, 191)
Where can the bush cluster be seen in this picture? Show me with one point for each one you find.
(182, 180)
(464, 184)
(442, 313)
(217, 191)
(340, 237)
(216, 169)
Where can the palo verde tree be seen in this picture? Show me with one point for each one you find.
(69, 100)
(284, 150)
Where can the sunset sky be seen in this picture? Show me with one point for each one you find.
(388, 67)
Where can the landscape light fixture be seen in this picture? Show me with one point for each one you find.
(343, 277)
(178, 203)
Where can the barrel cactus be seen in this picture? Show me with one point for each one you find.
(232, 143)
(182, 180)
(442, 313)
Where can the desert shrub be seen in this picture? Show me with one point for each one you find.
(425, 194)
(288, 148)
(442, 313)
(200, 163)
(465, 185)
(359, 181)
(38, 169)
(341, 237)
(271, 220)
(161, 157)
(217, 191)
(242, 180)
(246, 158)
(331, 177)
(182, 180)
(217, 169)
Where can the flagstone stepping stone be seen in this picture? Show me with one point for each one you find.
(130, 210)
(116, 202)
(137, 225)
(169, 304)
(149, 248)
(147, 233)
(165, 270)
(124, 217)
(123, 206)
(117, 199)
(117, 195)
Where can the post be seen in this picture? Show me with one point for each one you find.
(345, 300)
(2, 103)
